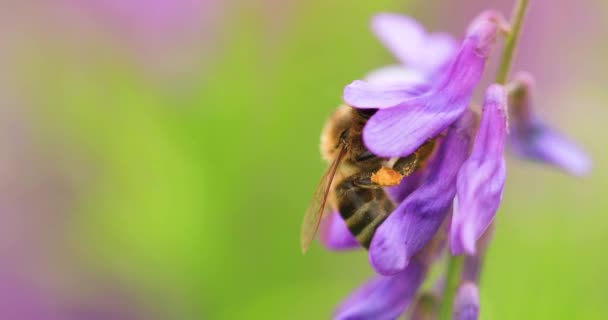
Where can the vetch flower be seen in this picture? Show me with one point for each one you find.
(387, 297)
(457, 193)
(466, 303)
(414, 222)
(407, 117)
(384, 297)
(532, 139)
(482, 177)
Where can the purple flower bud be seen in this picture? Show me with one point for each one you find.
(334, 234)
(466, 303)
(485, 28)
(532, 139)
(408, 118)
(419, 216)
(482, 177)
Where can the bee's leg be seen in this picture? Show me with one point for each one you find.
(364, 156)
(406, 165)
(425, 151)
(362, 179)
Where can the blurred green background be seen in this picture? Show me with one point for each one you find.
(161, 170)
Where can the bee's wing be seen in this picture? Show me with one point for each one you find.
(315, 210)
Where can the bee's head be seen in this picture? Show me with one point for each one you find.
(336, 131)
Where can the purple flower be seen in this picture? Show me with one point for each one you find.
(408, 115)
(420, 215)
(384, 297)
(466, 303)
(457, 193)
(482, 177)
(531, 139)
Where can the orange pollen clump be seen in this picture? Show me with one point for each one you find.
(386, 177)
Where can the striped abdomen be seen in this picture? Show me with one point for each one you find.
(363, 209)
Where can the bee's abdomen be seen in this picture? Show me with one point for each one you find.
(363, 209)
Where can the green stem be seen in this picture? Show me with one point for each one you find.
(506, 59)
(452, 280)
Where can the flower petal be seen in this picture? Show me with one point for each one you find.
(406, 187)
(402, 35)
(466, 303)
(531, 139)
(397, 75)
(543, 144)
(399, 131)
(383, 297)
(436, 53)
(409, 42)
(482, 177)
(334, 234)
(484, 30)
(367, 95)
(419, 216)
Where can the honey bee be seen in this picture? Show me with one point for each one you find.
(353, 182)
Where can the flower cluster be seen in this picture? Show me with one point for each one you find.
(451, 202)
